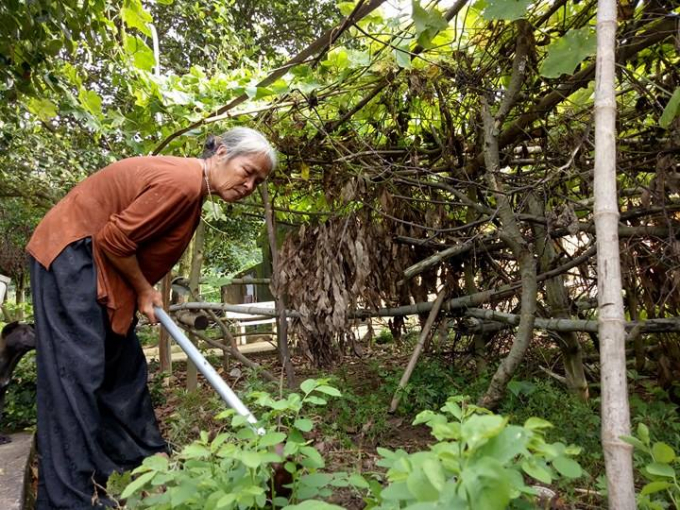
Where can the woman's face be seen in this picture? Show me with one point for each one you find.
(238, 177)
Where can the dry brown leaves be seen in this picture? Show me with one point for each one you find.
(328, 270)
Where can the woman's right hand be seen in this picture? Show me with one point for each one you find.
(146, 300)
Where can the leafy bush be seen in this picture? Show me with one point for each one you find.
(660, 467)
(479, 461)
(236, 469)
(20, 409)
(576, 421)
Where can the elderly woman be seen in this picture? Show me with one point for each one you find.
(94, 260)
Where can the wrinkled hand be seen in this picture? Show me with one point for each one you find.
(146, 300)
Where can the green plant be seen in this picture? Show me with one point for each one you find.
(193, 411)
(236, 468)
(478, 462)
(20, 409)
(384, 337)
(660, 469)
(576, 421)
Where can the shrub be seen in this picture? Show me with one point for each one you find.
(479, 461)
(236, 468)
(660, 468)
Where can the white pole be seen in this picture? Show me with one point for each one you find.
(611, 321)
(205, 368)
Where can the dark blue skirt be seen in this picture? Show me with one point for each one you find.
(94, 411)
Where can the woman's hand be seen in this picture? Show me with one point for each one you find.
(146, 300)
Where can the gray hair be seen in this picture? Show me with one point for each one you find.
(240, 141)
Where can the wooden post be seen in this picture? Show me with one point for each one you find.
(164, 353)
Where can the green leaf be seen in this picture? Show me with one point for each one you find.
(135, 16)
(505, 9)
(182, 493)
(671, 111)
(308, 385)
(346, 8)
(226, 500)
(653, 487)
(312, 504)
(511, 442)
(137, 484)
(91, 102)
(567, 467)
(401, 54)
(251, 459)
(316, 479)
(634, 441)
(313, 460)
(434, 473)
(478, 429)
(453, 409)
(658, 469)
(427, 24)
(487, 485)
(195, 451)
(663, 453)
(254, 92)
(537, 424)
(643, 433)
(303, 424)
(141, 54)
(156, 462)
(358, 481)
(44, 109)
(272, 438)
(568, 52)
(329, 390)
(538, 470)
(421, 487)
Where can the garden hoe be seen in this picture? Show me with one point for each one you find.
(281, 476)
(206, 368)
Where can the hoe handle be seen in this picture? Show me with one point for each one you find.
(205, 368)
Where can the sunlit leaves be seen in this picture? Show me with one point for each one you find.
(505, 9)
(44, 109)
(135, 16)
(402, 54)
(568, 52)
(671, 111)
(427, 23)
(141, 54)
(91, 102)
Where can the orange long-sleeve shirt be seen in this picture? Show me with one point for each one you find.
(145, 206)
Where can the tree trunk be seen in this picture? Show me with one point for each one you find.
(194, 286)
(615, 410)
(558, 300)
(509, 231)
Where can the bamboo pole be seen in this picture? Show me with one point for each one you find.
(424, 334)
(611, 322)
(281, 321)
(194, 278)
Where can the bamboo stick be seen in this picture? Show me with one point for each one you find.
(418, 349)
